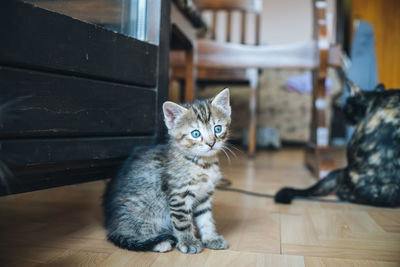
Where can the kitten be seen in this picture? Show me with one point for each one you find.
(151, 204)
(372, 175)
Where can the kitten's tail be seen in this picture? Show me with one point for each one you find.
(130, 243)
(325, 186)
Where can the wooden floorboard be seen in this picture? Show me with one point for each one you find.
(63, 226)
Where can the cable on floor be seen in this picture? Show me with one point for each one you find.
(225, 184)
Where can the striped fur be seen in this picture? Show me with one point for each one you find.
(161, 191)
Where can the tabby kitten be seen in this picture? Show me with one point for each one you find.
(372, 175)
(151, 204)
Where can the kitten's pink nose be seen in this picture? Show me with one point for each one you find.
(211, 144)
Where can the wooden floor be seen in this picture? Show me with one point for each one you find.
(63, 226)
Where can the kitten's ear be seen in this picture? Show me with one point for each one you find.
(172, 111)
(222, 101)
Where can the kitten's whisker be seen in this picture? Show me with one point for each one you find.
(234, 147)
(227, 156)
(230, 151)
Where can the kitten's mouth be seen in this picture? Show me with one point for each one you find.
(210, 152)
(213, 149)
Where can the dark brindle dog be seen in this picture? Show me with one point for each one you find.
(372, 175)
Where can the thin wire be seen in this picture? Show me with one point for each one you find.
(225, 186)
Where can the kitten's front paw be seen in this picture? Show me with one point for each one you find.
(190, 246)
(216, 242)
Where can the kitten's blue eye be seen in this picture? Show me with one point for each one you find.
(196, 133)
(218, 129)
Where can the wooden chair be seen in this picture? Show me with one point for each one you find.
(230, 61)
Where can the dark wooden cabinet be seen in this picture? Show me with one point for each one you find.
(76, 97)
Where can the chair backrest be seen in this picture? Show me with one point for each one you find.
(244, 7)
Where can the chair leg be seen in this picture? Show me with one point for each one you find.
(318, 155)
(190, 79)
(253, 120)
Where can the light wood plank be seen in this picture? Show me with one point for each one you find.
(78, 258)
(229, 258)
(340, 252)
(128, 258)
(331, 262)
